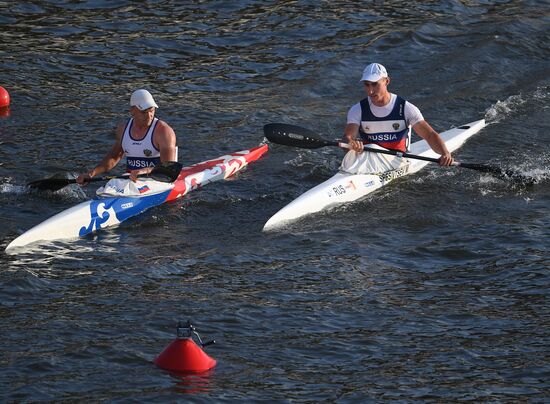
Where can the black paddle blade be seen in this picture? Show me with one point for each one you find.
(502, 173)
(292, 135)
(163, 172)
(167, 171)
(51, 184)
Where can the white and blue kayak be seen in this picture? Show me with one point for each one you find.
(108, 209)
(345, 187)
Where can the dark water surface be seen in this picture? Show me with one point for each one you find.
(435, 288)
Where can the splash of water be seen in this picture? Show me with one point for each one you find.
(514, 103)
(502, 109)
(8, 188)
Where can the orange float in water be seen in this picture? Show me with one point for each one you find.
(183, 354)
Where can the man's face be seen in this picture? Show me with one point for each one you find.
(145, 116)
(377, 90)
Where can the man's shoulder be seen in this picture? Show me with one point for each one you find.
(409, 105)
(412, 113)
(121, 126)
(397, 97)
(356, 106)
(162, 124)
(162, 128)
(404, 99)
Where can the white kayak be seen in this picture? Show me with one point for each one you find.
(109, 210)
(344, 187)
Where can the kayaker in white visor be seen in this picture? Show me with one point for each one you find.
(384, 120)
(143, 139)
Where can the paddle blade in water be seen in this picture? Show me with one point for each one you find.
(292, 135)
(502, 173)
(50, 184)
(517, 177)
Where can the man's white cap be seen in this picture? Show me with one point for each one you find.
(142, 99)
(374, 72)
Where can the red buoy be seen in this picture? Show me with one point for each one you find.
(4, 98)
(183, 354)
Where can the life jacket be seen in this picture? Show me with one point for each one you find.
(140, 153)
(390, 132)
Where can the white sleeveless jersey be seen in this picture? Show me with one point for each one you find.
(140, 153)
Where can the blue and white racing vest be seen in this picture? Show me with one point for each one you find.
(390, 132)
(140, 153)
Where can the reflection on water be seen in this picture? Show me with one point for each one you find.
(192, 383)
(54, 259)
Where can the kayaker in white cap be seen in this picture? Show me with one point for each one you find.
(144, 140)
(384, 119)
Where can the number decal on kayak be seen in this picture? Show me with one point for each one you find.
(393, 174)
(101, 215)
